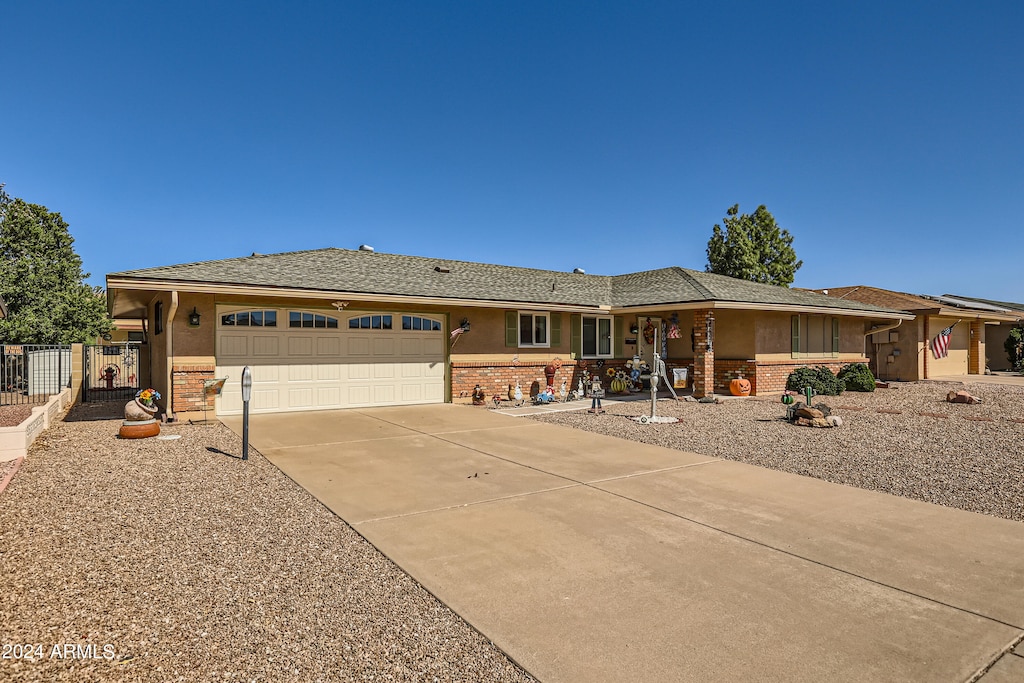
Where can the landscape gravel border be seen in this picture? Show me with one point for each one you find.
(182, 562)
(905, 440)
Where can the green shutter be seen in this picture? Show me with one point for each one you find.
(556, 329)
(512, 328)
(618, 342)
(796, 336)
(576, 335)
(835, 337)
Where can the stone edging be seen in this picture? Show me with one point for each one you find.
(14, 441)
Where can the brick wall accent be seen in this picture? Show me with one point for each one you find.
(728, 370)
(188, 394)
(495, 377)
(704, 358)
(772, 374)
(976, 353)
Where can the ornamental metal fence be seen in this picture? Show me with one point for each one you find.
(31, 373)
(111, 371)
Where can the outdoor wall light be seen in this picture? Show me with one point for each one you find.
(193, 317)
(464, 324)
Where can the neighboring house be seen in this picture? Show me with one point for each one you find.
(907, 353)
(996, 335)
(336, 328)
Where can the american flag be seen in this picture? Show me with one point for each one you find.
(940, 345)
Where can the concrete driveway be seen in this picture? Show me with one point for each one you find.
(589, 558)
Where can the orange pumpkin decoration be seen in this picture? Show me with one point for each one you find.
(739, 387)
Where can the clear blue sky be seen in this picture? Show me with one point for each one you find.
(887, 137)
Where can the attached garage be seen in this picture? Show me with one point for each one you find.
(311, 360)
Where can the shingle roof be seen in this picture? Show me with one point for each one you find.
(881, 297)
(344, 270)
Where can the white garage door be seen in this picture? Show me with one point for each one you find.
(307, 360)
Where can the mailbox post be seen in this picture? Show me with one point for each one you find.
(246, 393)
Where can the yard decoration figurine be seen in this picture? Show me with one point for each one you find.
(550, 369)
(478, 395)
(596, 394)
(138, 416)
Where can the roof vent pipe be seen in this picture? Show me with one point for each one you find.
(579, 271)
(366, 247)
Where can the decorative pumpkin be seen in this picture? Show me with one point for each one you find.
(618, 386)
(787, 399)
(739, 387)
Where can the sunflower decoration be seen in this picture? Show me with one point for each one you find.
(610, 372)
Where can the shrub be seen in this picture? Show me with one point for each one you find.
(1014, 346)
(820, 379)
(857, 377)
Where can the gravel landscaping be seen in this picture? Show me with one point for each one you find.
(194, 565)
(964, 456)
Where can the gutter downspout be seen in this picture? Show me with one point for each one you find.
(876, 331)
(169, 328)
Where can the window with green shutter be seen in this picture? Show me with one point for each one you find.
(511, 328)
(795, 323)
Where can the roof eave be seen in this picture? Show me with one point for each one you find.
(114, 284)
(767, 307)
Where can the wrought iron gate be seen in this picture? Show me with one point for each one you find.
(111, 372)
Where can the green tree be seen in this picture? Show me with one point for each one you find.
(41, 280)
(752, 247)
(1014, 346)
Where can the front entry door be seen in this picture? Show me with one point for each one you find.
(648, 338)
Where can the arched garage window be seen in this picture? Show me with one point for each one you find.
(370, 322)
(304, 319)
(413, 322)
(250, 319)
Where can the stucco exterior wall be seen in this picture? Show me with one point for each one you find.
(735, 335)
(956, 362)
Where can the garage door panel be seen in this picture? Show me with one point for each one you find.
(234, 346)
(300, 373)
(358, 372)
(300, 346)
(300, 397)
(435, 370)
(383, 394)
(433, 392)
(383, 371)
(432, 348)
(263, 346)
(262, 373)
(328, 396)
(328, 346)
(329, 373)
(384, 347)
(413, 370)
(412, 392)
(359, 395)
(264, 399)
(359, 346)
(411, 347)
